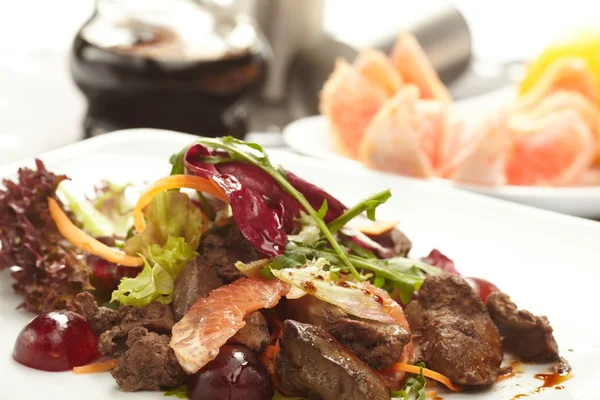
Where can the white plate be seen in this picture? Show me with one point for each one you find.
(547, 262)
(309, 136)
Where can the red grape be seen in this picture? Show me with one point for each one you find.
(482, 287)
(107, 275)
(56, 341)
(236, 374)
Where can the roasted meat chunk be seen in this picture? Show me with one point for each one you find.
(154, 317)
(148, 364)
(255, 334)
(453, 333)
(525, 335)
(376, 343)
(223, 249)
(394, 239)
(195, 280)
(100, 319)
(313, 364)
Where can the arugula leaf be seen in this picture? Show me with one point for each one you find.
(177, 161)
(323, 209)
(254, 154)
(404, 274)
(287, 261)
(369, 205)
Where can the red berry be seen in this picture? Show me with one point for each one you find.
(56, 341)
(482, 287)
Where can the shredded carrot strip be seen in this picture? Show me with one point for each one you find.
(97, 367)
(174, 182)
(277, 329)
(85, 242)
(432, 394)
(377, 228)
(268, 360)
(414, 369)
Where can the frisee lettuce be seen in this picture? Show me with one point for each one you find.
(112, 202)
(170, 240)
(90, 219)
(414, 388)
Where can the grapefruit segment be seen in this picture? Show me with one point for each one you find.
(212, 320)
(559, 101)
(377, 67)
(350, 101)
(555, 150)
(392, 141)
(410, 60)
(482, 162)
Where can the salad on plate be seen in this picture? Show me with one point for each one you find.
(233, 278)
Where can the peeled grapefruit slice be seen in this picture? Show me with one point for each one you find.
(350, 101)
(212, 320)
(559, 101)
(456, 139)
(392, 139)
(411, 61)
(431, 125)
(570, 74)
(556, 152)
(482, 162)
(377, 67)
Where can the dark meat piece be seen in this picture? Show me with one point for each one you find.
(148, 364)
(195, 281)
(155, 317)
(100, 319)
(523, 334)
(313, 364)
(376, 343)
(223, 249)
(394, 239)
(453, 333)
(255, 334)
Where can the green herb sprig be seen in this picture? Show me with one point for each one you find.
(254, 154)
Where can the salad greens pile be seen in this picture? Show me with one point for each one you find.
(170, 240)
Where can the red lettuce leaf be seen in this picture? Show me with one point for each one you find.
(438, 259)
(47, 271)
(259, 220)
(260, 182)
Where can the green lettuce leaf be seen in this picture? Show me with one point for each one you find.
(154, 283)
(170, 214)
(170, 240)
